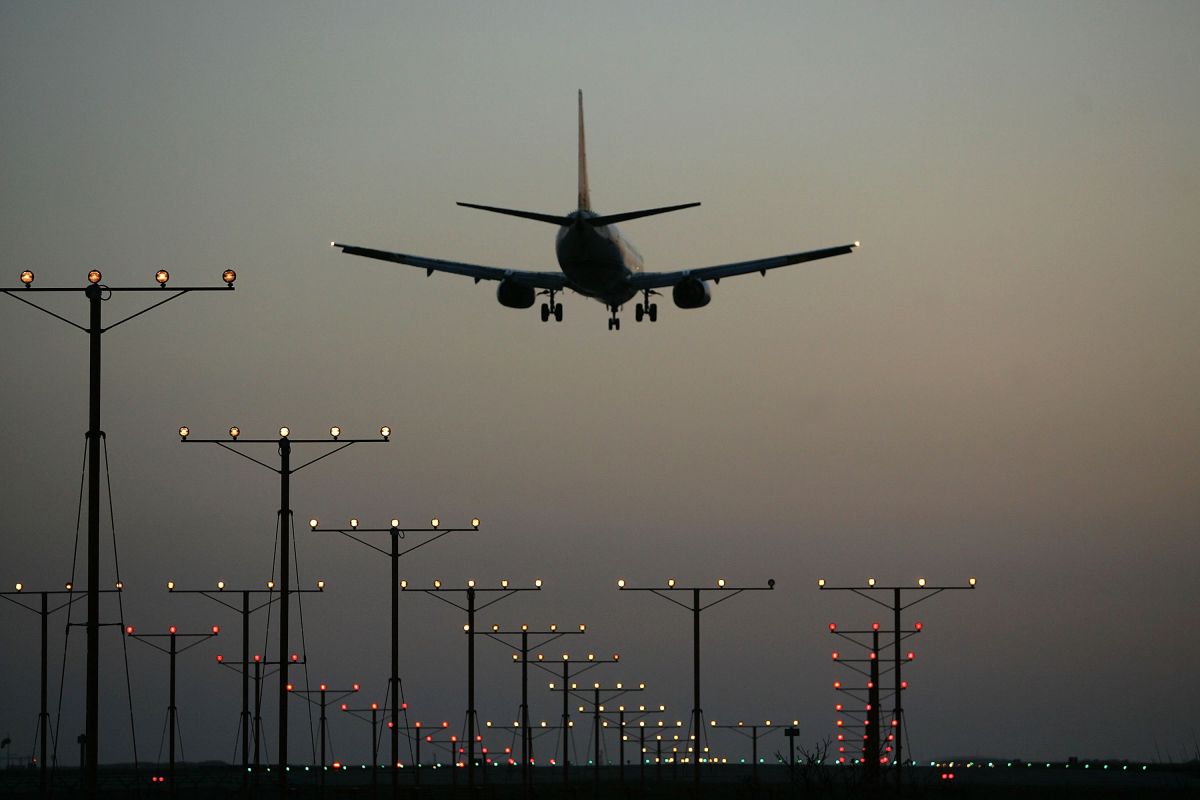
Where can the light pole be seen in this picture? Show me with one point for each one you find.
(357, 713)
(725, 592)
(522, 658)
(923, 591)
(322, 693)
(395, 534)
(285, 470)
(598, 701)
(871, 740)
(588, 663)
(96, 293)
(741, 728)
(173, 636)
(622, 721)
(219, 594)
(44, 611)
(471, 608)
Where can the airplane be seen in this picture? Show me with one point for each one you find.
(596, 261)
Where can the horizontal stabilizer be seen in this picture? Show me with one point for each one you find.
(553, 220)
(612, 219)
(595, 222)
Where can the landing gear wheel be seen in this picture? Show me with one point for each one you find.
(545, 312)
(639, 312)
(653, 312)
(558, 312)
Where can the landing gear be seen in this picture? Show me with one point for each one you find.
(614, 324)
(552, 309)
(646, 308)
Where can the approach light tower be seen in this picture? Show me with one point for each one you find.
(725, 592)
(284, 444)
(923, 592)
(96, 293)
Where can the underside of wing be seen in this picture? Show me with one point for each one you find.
(533, 279)
(658, 280)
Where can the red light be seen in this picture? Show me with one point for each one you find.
(257, 658)
(220, 658)
(404, 706)
(322, 687)
(835, 655)
(417, 724)
(874, 626)
(355, 687)
(429, 738)
(917, 626)
(344, 708)
(172, 629)
(445, 724)
(337, 765)
(837, 707)
(216, 629)
(903, 684)
(508, 750)
(129, 630)
(295, 657)
(837, 684)
(911, 655)
(290, 687)
(868, 706)
(840, 723)
(873, 655)
(478, 738)
(870, 684)
(841, 737)
(374, 706)
(391, 724)
(832, 626)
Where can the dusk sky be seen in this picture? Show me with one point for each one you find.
(1001, 383)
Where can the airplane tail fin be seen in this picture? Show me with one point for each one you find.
(585, 200)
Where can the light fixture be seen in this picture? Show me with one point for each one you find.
(395, 523)
(271, 584)
(504, 583)
(221, 585)
(671, 582)
(283, 432)
(437, 584)
(385, 431)
(335, 431)
(312, 523)
(162, 276)
(234, 432)
(321, 584)
(403, 584)
(537, 583)
(94, 276)
(229, 276)
(434, 522)
(971, 582)
(620, 583)
(474, 522)
(27, 277)
(821, 583)
(20, 587)
(720, 583)
(354, 522)
(921, 582)
(471, 583)
(183, 431)
(170, 586)
(70, 586)
(870, 581)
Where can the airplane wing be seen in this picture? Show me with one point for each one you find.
(537, 280)
(658, 280)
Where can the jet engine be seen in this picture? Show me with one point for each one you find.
(514, 295)
(691, 293)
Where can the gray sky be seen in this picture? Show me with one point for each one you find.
(1001, 383)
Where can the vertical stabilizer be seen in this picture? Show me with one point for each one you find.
(585, 201)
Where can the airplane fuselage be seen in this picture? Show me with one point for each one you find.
(598, 261)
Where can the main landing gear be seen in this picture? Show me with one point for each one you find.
(614, 324)
(551, 309)
(646, 308)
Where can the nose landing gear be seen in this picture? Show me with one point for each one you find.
(614, 324)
